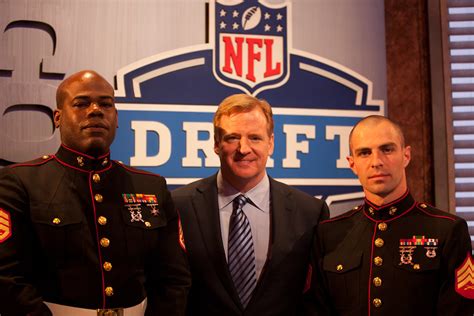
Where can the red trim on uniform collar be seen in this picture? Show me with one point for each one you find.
(86, 155)
(389, 211)
(80, 161)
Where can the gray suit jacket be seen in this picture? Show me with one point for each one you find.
(293, 217)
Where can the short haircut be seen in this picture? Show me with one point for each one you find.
(239, 103)
(376, 119)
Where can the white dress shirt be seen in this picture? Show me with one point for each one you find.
(257, 212)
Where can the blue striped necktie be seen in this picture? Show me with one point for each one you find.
(241, 254)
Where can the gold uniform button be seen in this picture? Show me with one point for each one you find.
(56, 221)
(377, 302)
(147, 224)
(377, 281)
(371, 210)
(416, 266)
(45, 157)
(423, 205)
(107, 266)
(104, 242)
(96, 178)
(392, 210)
(105, 162)
(378, 261)
(382, 226)
(379, 242)
(109, 291)
(102, 220)
(339, 267)
(99, 198)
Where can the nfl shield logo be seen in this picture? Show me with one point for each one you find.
(251, 44)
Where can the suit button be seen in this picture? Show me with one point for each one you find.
(339, 267)
(105, 162)
(109, 291)
(382, 226)
(378, 261)
(107, 266)
(96, 178)
(379, 242)
(416, 266)
(98, 198)
(377, 302)
(56, 221)
(105, 242)
(377, 281)
(45, 157)
(102, 220)
(147, 224)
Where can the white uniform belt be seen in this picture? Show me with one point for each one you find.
(64, 310)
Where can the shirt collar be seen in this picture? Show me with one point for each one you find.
(257, 195)
(77, 160)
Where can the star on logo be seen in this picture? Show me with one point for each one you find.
(223, 25)
(222, 12)
(279, 16)
(235, 14)
(267, 27)
(267, 16)
(235, 26)
(279, 28)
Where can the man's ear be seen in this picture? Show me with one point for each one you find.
(406, 156)
(350, 159)
(57, 118)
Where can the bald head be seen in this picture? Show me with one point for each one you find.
(80, 78)
(373, 121)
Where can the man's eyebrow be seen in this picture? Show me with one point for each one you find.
(357, 150)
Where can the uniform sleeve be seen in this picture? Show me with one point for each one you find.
(168, 276)
(18, 296)
(455, 251)
(316, 300)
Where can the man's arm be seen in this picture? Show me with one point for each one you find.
(18, 296)
(168, 276)
(455, 251)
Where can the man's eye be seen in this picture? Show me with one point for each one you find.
(106, 104)
(81, 104)
(388, 150)
(230, 138)
(364, 153)
(255, 138)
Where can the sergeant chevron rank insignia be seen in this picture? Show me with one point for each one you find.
(464, 283)
(5, 225)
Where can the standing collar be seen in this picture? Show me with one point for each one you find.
(390, 210)
(77, 160)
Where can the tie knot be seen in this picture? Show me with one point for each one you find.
(239, 202)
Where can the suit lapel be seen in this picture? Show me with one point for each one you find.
(207, 212)
(281, 223)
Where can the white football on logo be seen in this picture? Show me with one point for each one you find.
(251, 18)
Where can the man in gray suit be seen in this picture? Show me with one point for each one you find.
(247, 236)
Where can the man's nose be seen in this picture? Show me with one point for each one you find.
(244, 146)
(95, 109)
(376, 159)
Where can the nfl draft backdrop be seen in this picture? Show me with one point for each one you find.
(166, 100)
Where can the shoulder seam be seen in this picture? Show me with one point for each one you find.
(342, 216)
